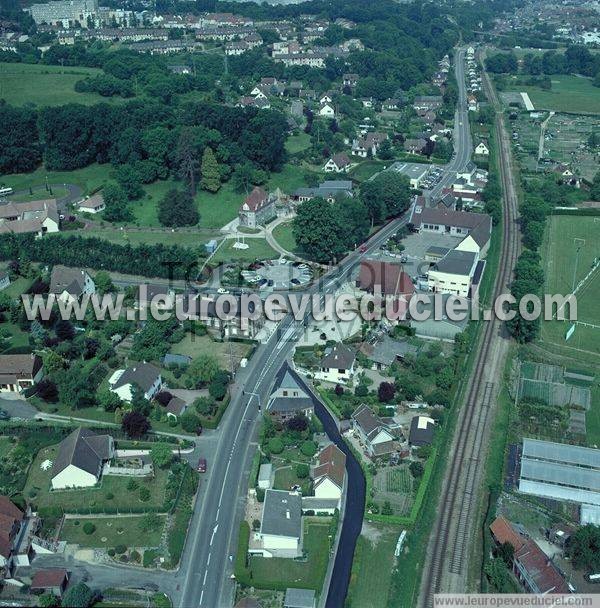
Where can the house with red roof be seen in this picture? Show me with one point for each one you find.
(257, 209)
(328, 476)
(51, 580)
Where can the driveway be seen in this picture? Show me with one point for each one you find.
(16, 407)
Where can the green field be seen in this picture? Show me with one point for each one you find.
(284, 236)
(275, 572)
(111, 494)
(563, 268)
(372, 567)
(58, 193)
(366, 169)
(568, 94)
(89, 178)
(45, 85)
(297, 143)
(258, 249)
(111, 531)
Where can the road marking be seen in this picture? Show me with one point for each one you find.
(201, 596)
(205, 575)
(208, 561)
(213, 535)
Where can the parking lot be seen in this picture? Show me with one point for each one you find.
(278, 274)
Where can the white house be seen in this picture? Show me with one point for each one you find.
(454, 273)
(94, 204)
(338, 163)
(372, 432)
(481, 149)
(69, 284)
(81, 456)
(327, 110)
(18, 372)
(144, 376)
(337, 366)
(281, 524)
(328, 475)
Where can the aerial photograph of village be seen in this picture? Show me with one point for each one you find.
(299, 303)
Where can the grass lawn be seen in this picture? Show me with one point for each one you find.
(592, 419)
(89, 178)
(193, 346)
(297, 143)
(269, 573)
(58, 193)
(18, 337)
(122, 237)
(220, 208)
(372, 566)
(366, 169)
(37, 490)
(6, 446)
(45, 85)
(284, 236)
(568, 94)
(17, 287)
(290, 178)
(258, 249)
(286, 478)
(111, 531)
(563, 266)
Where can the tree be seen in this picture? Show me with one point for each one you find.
(211, 177)
(309, 448)
(150, 522)
(584, 548)
(103, 282)
(78, 596)
(190, 422)
(144, 494)
(48, 601)
(361, 390)
(187, 160)
(218, 386)
(162, 455)
(302, 471)
(47, 390)
(64, 330)
(177, 208)
(416, 469)
(297, 424)
(115, 200)
(595, 189)
(89, 528)
(339, 390)
(385, 151)
(163, 398)
(275, 445)
(203, 369)
(135, 424)
(385, 392)
(20, 150)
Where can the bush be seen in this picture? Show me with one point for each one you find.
(111, 552)
(132, 485)
(302, 471)
(275, 445)
(190, 422)
(361, 390)
(109, 496)
(260, 494)
(135, 556)
(89, 528)
(119, 549)
(144, 494)
(339, 390)
(386, 391)
(309, 448)
(416, 469)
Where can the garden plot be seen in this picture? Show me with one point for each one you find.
(396, 486)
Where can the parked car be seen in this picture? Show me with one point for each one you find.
(202, 465)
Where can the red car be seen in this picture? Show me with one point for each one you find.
(362, 248)
(202, 465)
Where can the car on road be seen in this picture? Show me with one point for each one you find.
(202, 465)
(363, 248)
(4, 415)
(222, 290)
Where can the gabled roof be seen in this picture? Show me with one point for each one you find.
(82, 449)
(341, 160)
(256, 200)
(368, 421)
(457, 262)
(332, 464)
(421, 430)
(176, 406)
(10, 514)
(143, 375)
(340, 357)
(52, 577)
(503, 532)
(540, 569)
(288, 379)
(20, 366)
(389, 277)
(71, 280)
(94, 202)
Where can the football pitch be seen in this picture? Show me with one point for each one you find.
(570, 253)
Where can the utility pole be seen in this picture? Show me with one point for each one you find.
(253, 395)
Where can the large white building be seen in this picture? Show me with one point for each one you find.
(143, 376)
(561, 472)
(281, 524)
(64, 12)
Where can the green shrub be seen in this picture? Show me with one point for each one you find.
(119, 549)
(89, 528)
(309, 448)
(275, 445)
(144, 494)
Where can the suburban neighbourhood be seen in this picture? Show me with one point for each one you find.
(166, 166)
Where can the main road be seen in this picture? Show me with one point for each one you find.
(207, 561)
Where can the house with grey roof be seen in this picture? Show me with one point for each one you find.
(372, 432)
(337, 366)
(281, 524)
(80, 459)
(145, 376)
(69, 284)
(18, 372)
(290, 396)
(385, 351)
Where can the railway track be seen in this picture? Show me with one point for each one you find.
(448, 552)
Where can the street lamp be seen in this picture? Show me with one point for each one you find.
(253, 395)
